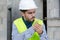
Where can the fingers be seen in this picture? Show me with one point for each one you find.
(37, 28)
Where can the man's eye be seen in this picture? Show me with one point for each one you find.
(30, 13)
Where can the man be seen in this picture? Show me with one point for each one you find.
(28, 27)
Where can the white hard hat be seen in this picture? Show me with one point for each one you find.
(27, 4)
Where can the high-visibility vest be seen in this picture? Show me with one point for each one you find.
(21, 27)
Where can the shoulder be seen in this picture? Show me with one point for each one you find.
(39, 21)
(17, 20)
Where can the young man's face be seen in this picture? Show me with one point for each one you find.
(29, 15)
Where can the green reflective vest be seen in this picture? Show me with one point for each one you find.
(21, 27)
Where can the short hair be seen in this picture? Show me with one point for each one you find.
(23, 11)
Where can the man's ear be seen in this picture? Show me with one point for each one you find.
(22, 13)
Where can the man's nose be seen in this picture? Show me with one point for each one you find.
(33, 14)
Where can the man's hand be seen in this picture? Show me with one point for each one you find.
(38, 28)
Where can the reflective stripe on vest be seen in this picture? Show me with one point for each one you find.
(21, 27)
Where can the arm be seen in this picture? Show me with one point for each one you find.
(43, 36)
(23, 36)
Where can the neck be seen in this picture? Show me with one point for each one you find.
(26, 19)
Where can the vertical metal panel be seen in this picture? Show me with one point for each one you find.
(9, 24)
